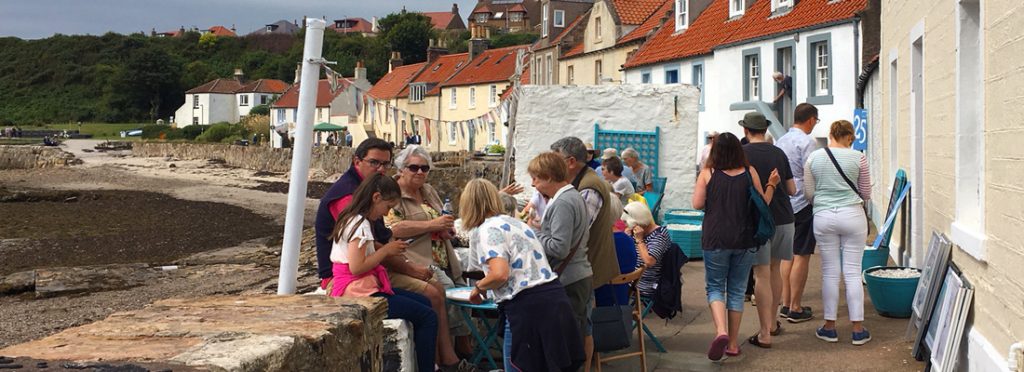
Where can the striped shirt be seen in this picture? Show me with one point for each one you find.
(826, 188)
(658, 243)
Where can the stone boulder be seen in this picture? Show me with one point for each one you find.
(57, 281)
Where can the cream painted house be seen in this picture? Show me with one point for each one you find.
(612, 31)
(951, 95)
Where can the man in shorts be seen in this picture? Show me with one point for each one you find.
(766, 158)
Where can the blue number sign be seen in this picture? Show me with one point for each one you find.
(860, 129)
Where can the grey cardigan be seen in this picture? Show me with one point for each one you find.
(565, 225)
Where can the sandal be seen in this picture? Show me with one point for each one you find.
(754, 340)
(718, 347)
(778, 329)
(733, 354)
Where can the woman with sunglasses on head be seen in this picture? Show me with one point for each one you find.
(433, 265)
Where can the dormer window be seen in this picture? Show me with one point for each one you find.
(778, 5)
(736, 8)
(416, 92)
(682, 15)
(270, 28)
(516, 17)
(481, 17)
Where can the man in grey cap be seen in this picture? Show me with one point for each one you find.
(766, 158)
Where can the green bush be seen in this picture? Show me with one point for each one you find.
(191, 132)
(221, 131)
(260, 110)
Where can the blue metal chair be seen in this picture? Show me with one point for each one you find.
(483, 343)
(647, 303)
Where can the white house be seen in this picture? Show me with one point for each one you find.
(338, 104)
(259, 92)
(226, 100)
(731, 48)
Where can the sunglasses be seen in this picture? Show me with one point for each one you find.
(377, 163)
(415, 168)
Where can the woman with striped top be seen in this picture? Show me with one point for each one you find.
(652, 242)
(837, 182)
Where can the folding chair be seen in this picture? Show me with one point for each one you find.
(647, 303)
(631, 278)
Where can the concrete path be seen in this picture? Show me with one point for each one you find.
(687, 336)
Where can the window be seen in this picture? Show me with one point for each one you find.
(781, 5)
(672, 76)
(516, 17)
(243, 100)
(682, 20)
(453, 128)
(819, 79)
(493, 100)
(472, 97)
(698, 81)
(280, 116)
(481, 18)
(551, 72)
(736, 8)
(570, 75)
(544, 22)
(597, 28)
(598, 74)
(538, 69)
(559, 18)
(968, 230)
(270, 28)
(195, 101)
(195, 120)
(264, 98)
(645, 77)
(454, 103)
(416, 92)
(751, 74)
(492, 132)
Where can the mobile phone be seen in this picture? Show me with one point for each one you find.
(409, 241)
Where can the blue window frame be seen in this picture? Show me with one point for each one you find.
(697, 80)
(752, 75)
(672, 76)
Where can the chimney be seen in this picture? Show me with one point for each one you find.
(375, 28)
(181, 31)
(239, 76)
(477, 42)
(152, 32)
(395, 62)
(360, 73)
(455, 8)
(298, 73)
(435, 51)
(233, 28)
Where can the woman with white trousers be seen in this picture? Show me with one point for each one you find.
(838, 183)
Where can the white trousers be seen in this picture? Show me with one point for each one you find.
(841, 233)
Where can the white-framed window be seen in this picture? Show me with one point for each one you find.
(751, 76)
(493, 97)
(195, 120)
(597, 28)
(538, 69)
(453, 135)
(559, 18)
(672, 76)
(682, 18)
(454, 100)
(821, 66)
(570, 75)
(195, 101)
(698, 81)
(779, 4)
(515, 17)
(550, 79)
(481, 18)
(736, 8)
(968, 229)
(416, 92)
(544, 22)
(645, 77)
(472, 97)
(598, 72)
(270, 28)
(492, 132)
(243, 100)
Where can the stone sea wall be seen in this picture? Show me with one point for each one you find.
(27, 157)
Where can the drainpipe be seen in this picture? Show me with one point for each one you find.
(301, 152)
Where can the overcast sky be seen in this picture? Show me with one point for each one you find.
(33, 19)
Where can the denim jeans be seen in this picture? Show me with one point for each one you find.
(725, 273)
(416, 309)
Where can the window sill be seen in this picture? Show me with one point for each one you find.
(820, 100)
(969, 240)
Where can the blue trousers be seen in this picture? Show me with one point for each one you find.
(725, 275)
(416, 309)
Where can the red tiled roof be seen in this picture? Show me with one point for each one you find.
(482, 9)
(219, 86)
(490, 66)
(576, 50)
(440, 20)
(221, 31)
(523, 80)
(706, 32)
(395, 81)
(290, 98)
(756, 22)
(264, 86)
(442, 69)
(518, 8)
(635, 12)
(652, 21)
(361, 26)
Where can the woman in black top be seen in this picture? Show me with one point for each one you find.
(722, 191)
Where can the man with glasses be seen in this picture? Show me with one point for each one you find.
(372, 156)
(798, 146)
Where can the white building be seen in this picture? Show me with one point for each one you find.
(731, 48)
(339, 104)
(226, 100)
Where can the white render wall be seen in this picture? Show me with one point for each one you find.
(723, 78)
(548, 113)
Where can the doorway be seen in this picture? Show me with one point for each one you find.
(784, 56)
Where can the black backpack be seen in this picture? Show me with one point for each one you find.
(668, 297)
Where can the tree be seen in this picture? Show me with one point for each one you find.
(409, 34)
(260, 110)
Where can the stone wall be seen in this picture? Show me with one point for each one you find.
(26, 157)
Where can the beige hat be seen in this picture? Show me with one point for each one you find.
(637, 213)
(609, 153)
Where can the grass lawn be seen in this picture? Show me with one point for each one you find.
(97, 130)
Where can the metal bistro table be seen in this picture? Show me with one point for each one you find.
(486, 340)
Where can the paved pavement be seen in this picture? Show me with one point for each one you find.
(687, 336)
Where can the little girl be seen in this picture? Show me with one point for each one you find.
(357, 263)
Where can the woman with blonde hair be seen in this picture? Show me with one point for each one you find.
(837, 182)
(540, 330)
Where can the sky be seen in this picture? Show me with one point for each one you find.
(34, 19)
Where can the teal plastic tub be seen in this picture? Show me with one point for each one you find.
(875, 257)
(892, 297)
(688, 239)
(684, 216)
